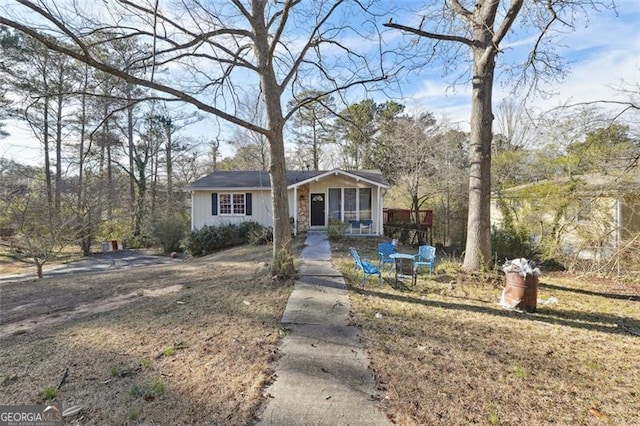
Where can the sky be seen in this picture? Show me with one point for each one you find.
(602, 54)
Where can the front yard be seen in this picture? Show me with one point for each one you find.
(445, 352)
(192, 343)
(195, 343)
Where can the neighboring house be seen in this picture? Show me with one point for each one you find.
(315, 198)
(588, 217)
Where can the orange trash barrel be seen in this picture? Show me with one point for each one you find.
(114, 245)
(520, 292)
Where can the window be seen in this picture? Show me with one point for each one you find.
(347, 204)
(232, 204)
(365, 203)
(350, 212)
(335, 204)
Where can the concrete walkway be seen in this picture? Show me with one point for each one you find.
(322, 378)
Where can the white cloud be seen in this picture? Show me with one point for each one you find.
(20, 145)
(601, 56)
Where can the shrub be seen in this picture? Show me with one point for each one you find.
(209, 239)
(246, 229)
(168, 232)
(137, 242)
(49, 393)
(336, 230)
(511, 244)
(264, 235)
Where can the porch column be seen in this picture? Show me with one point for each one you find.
(295, 211)
(379, 212)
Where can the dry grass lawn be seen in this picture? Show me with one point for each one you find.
(455, 357)
(192, 343)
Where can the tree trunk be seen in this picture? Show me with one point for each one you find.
(83, 222)
(39, 266)
(58, 190)
(45, 139)
(478, 246)
(132, 181)
(316, 153)
(282, 257)
(169, 160)
(154, 181)
(106, 143)
(142, 193)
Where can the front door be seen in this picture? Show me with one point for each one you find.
(317, 209)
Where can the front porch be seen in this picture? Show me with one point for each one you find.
(351, 200)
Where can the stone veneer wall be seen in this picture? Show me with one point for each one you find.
(303, 208)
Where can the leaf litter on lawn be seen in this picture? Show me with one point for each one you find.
(222, 349)
(449, 354)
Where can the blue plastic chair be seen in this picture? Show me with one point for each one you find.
(367, 268)
(384, 251)
(366, 225)
(426, 257)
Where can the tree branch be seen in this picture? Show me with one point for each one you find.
(507, 22)
(309, 44)
(86, 58)
(435, 36)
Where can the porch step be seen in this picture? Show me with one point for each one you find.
(317, 231)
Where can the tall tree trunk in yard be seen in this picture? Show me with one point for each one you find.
(141, 181)
(45, 136)
(155, 160)
(484, 41)
(132, 181)
(478, 245)
(271, 90)
(47, 157)
(84, 222)
(169, 160)
(59, 101)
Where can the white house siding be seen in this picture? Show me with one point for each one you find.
(261, 202)
(201, 209)
(630, 212)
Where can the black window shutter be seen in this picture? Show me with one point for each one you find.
(247, 204)
(214, 203)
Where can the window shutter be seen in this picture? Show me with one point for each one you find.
(247, 204)
(214, 203)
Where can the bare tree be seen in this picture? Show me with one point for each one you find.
(217, 47)
(40, 232)
(481, 27)
(252, 148)
(514, 127)
(312, 126)
(411, 157)
(171, 122)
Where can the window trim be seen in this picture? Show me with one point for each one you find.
(232, 204)
(342, 200)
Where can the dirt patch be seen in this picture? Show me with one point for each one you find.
(191, 343)
(103, 305)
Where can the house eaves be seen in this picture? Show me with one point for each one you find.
(260, 180)
(371, 177)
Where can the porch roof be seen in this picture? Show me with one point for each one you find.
(260, 180)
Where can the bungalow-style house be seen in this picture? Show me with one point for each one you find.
(316, 198)
(588, 217)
